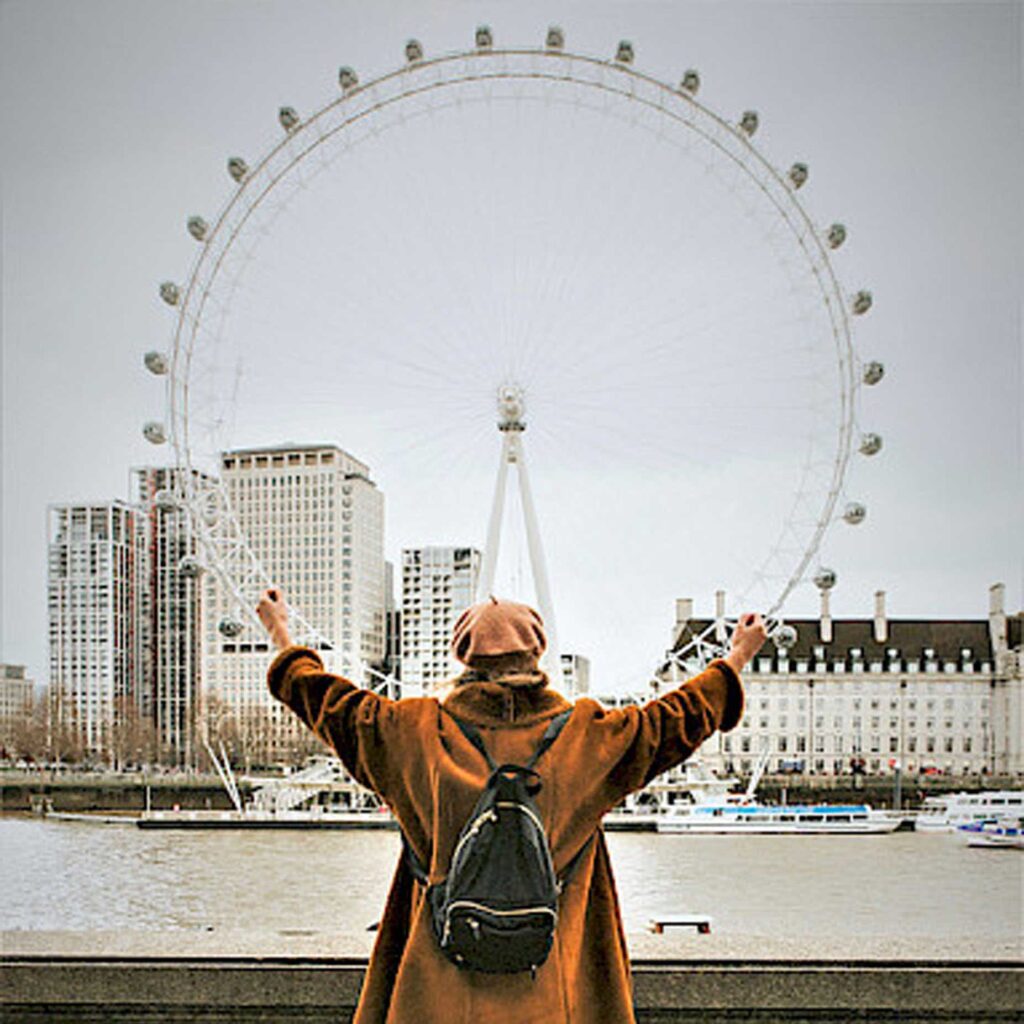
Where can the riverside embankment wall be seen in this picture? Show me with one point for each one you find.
(110, 791)
(301, 977)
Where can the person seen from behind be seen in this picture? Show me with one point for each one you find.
(420, 756)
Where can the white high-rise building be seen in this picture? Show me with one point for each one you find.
(315, 521)
(172, 616)
(438, 585)
(96, 592)
(923, 694)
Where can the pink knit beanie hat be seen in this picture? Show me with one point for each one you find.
(497, 627)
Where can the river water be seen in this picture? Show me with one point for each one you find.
(83, 876)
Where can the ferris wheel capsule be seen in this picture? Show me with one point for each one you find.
(825, 578)
(836, 235)
(798, 175)
(197, 228)
(690, 82)
(169, 293)
(237, 168)
(229, 628)
(785, 637)
(190, 567)
(873, 372)
(156, 363)
(154, 432)
(870, 444)
(484, 37)
(288, 118)
(555, 39)
(855, 512)
(624, 54)
(347, 79)
(413, 51)
(749, 122)
(862, 302)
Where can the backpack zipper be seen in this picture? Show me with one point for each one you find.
(526, 810)
(490, 910)
(488, 815)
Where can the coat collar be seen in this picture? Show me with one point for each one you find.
(499, 704)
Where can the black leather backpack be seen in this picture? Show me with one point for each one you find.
(497, 909)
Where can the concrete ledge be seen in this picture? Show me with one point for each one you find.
(265, 980)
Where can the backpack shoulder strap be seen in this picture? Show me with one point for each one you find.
(555, 726)
(472, 734)
(415, 865)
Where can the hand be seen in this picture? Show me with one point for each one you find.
(747, 639)
(273, 613)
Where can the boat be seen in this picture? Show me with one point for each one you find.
(1006, 833)
(320, 796)
(950, 811)
(713, 808)
(777, 819)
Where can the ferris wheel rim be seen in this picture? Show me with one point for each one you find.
(246, 197)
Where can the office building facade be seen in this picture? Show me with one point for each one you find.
(96, 594)
(438, 584)
(314, 519)
(171, 620)
(17, 703)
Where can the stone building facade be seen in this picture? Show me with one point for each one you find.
(925, 695)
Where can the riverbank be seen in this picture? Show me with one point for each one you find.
(316, 976)
(129, 791)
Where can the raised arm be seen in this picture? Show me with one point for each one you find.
(362, 727)
(638, 743)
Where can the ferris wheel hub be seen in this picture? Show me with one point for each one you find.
(511, 408)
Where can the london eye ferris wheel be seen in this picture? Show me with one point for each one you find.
(565, 247)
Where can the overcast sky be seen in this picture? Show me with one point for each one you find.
(117, 118)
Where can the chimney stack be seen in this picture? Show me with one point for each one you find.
(997, 624)
(720, 616)
(881, 624)
(825, 626)
(684, 611)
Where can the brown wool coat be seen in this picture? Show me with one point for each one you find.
(415, 757)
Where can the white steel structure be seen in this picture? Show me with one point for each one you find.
(918, 694)
(812, 344)
(97, 591)
(511, 424)
(438, 584)
(315, 520)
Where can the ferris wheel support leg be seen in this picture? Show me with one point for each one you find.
(487, 570)
(551, 661)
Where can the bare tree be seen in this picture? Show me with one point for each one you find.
(27, 736)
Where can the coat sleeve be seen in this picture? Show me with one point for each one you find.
(642, 742)
(367, 731)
